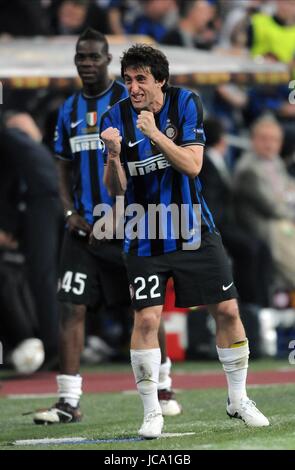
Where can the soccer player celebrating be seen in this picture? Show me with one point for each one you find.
(154, 142)
(91, 274)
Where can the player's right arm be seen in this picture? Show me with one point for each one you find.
(75, 221)
(65, 158)
(114, 175)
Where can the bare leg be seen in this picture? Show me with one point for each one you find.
(146, 326)
(71, 337)
(229, 328)
(162, 341)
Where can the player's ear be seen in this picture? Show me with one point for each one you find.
(110, 58)
(160, 83)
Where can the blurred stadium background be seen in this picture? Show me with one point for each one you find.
(239, 55)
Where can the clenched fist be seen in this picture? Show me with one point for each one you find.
(112, 139)
(146, 123)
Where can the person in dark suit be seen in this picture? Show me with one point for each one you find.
(28, 176)
(250, 256)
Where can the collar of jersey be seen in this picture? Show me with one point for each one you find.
(95, 97)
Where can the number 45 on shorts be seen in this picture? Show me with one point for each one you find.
(74, 282)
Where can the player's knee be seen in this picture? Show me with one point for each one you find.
(72, 313)
(147, 322)
(228, 312)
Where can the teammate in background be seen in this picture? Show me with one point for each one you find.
(90, 274)
(155, 141)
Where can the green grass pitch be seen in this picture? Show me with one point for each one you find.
(117, 415)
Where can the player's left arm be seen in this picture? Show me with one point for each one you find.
(187, 157)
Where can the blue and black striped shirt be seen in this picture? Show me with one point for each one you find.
(151, 178)
(77, 139)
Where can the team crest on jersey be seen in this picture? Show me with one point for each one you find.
(171, 131)
(91, 118)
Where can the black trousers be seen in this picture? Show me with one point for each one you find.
(40, 245)
(252, 266)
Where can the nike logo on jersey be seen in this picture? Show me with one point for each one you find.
(224, 288)
(75, 124)
(132, 144)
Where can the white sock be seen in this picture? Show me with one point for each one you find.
(165, 380)
(146, 364)
(69, 387)
(235, 364)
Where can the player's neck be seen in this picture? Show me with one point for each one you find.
(96, 89)
(157, 104)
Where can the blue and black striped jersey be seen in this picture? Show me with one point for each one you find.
(77, 139)
(151, 178)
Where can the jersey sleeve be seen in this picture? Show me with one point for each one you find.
(106, 121)
(61, 138)
(192, 130)
(112, 118)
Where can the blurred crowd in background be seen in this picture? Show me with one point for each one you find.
(249, 186)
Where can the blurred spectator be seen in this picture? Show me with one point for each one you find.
(288, 154)
(28, 170)
(23, 18)
(268, 34)
(236, 19)
(157, 19)
(24, 122)
(195, 26)
(228, 104)
(115, 11)
(274, 36)
(251, 260)
(73, 16)
(14, 293)
(274, 99)
(265, 195)
(120, 13)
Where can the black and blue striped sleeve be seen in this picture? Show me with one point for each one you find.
(192, 129)
(106, 122)
(61, 138)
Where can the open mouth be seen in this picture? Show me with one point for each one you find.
(137, 99)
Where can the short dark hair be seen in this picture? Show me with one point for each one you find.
(91, 34)
(144, 56)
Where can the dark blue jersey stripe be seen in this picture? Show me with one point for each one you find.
(152, 180)
(77, 140)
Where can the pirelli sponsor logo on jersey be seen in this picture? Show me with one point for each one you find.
(144, 167)
(82, 143)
